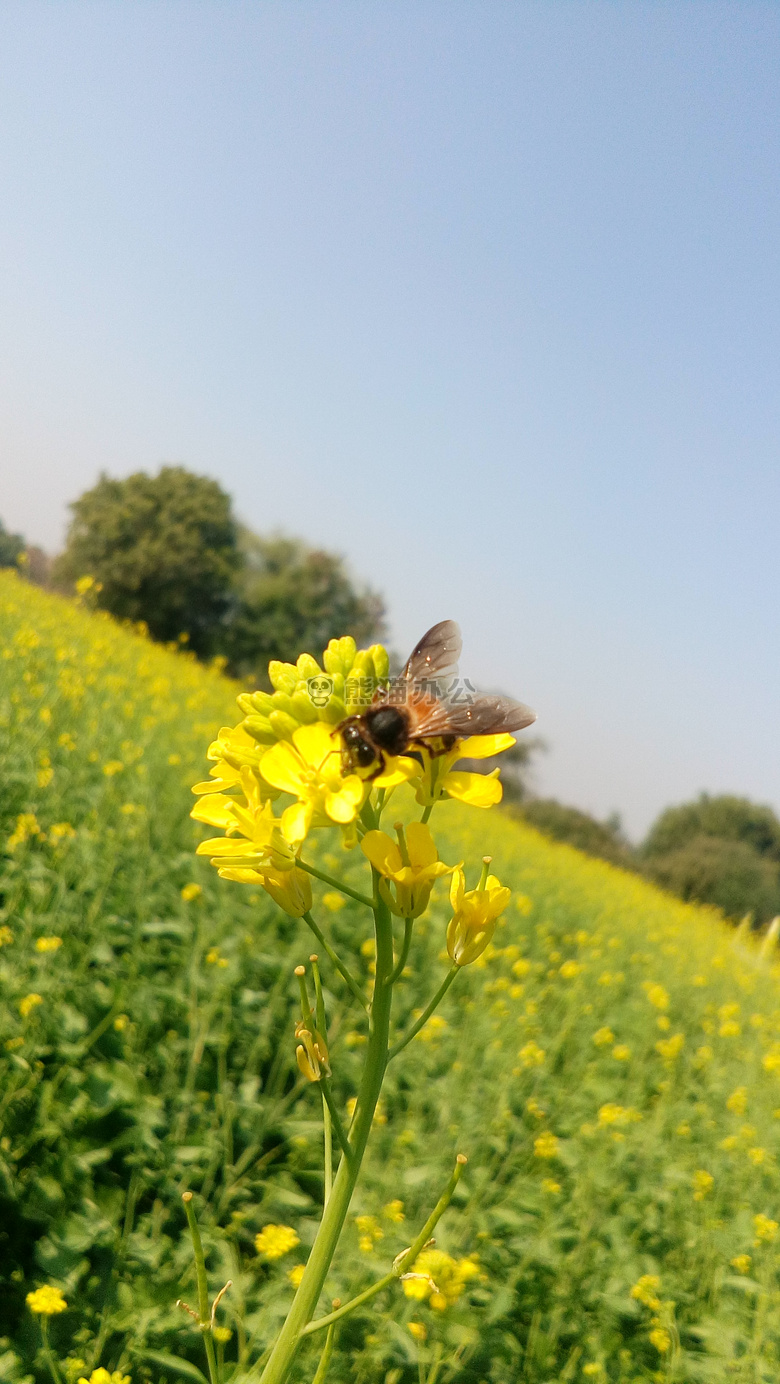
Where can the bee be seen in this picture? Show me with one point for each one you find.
(408, 714)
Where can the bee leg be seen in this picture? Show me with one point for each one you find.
(380, 767)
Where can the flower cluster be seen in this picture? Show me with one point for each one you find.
(438, 1278)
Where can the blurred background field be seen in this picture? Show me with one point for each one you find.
(610, 1068)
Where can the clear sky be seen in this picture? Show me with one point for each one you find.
(482, 295)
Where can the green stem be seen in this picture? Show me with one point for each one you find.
(337, 962)
(405, 945)
(326, 1130)
(204, 1312)
(404, 1261)
(48, 1353)
(426, 1014)
(427, 812)
(336, 883)
(335, 1213)
(322, 1368)
(327, 1096)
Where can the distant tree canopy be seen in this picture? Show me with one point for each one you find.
(167, 550)
(291, 600)
(164, 548)
(12, 545)
(722, 850)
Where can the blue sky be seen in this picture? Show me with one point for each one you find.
(483, 296)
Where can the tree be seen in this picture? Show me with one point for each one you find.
(164, 548)
(726, 816)
(291, 600)
(11, 547)
(729, 874)
(723, 850)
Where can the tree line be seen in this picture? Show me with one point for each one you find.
(168, 551)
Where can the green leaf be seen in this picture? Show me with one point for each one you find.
(172, 1362)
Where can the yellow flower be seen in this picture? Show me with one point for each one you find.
(295, 1275)
(610, 1114)
(603, 1036)
(48, 944)
(309, 768)
(394, 1211)
(741, 1262)
(262, 855)
(419, 1331)
(546, 1146)
(29, 1003)
(46, 1301)
(410, 867)
(190, 892)
(737, 1101)
(369, 1231)
(765, 1229)
(101, 1376)
(621, 1053)
(550, 1186)
(475, 914)
(645, 1290)
(669, 1048)
(756, 1155)
(439, 1278)
(657, 996)
(660, 1338)
(274, 1241)
(703, 1184)
(531, 1055)
(437, 778)
(26, 826)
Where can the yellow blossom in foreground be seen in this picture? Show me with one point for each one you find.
(29, 1003)
(703, 1183)
(410, 867)
(645, 1290)
(437, 778)
(475, 913)
(46, 1301)
(439, 1278)
(765, 1229)
(742, 1263)
(274, 1241)
(48, 944)
(546, 1146)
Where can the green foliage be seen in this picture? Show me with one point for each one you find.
(149, 1068)
(165, 550)
(727, 817)
(291, 598)
(722, 850)
(603, 840)
(11, 547)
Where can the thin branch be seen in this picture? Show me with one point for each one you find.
(405, 945)
(336, 883)
(337, 962)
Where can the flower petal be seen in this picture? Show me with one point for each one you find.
(296, 821)
(420, 845)
(315, 743)
(382, 851)
(484, 746)
(282, 768)
(480, 790)
(216, 810)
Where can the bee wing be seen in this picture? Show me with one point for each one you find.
(436, 655)
(484, 716)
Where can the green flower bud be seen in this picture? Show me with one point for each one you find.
(260, 729)
(283, 675)
(302, 705)
(283, 724)
(381, 660)
(308, 667)
(331, 658)
(280, 701)
(244, 700)
(334, 712)
(347, 651)
(262, 702)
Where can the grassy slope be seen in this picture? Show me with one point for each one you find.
(148, 1068)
